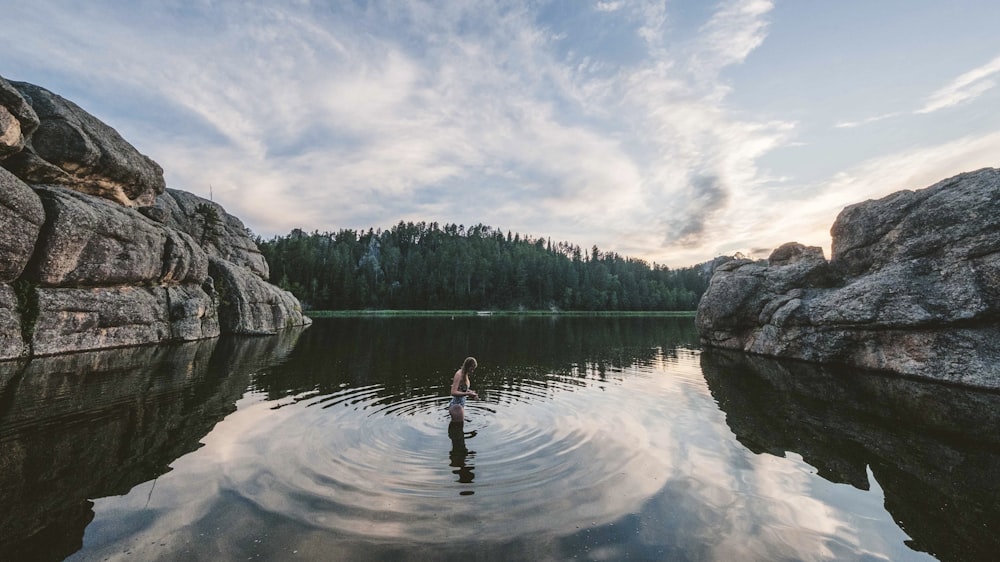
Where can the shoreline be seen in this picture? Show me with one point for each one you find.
(487, 313)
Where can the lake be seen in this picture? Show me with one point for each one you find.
(595, 438)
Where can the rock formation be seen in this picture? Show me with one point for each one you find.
(95, 252)
(913, 287)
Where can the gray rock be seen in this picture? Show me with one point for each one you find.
(192, 312)
(249, 305)
(11, 342)
(89, 241)
(94, 254)
(11, 139)
(154, 214)
(220, 234)
(17, 119)
(21, 218)
(76, 319)
(71, 147)
(913, 287)
(72, 319)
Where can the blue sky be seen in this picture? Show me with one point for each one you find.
(674, 131)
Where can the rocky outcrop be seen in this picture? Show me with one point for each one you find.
(220, 234)
(89, 241)
(73, 148)
(913, 287)
(21, 218)
(17, 120)
(103, 317)
(95, 253)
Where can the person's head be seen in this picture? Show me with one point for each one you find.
(469, 365)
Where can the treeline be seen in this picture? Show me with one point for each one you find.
(426, 266)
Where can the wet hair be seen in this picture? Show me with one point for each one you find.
(469, 364)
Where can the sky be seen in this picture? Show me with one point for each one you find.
(673, 131)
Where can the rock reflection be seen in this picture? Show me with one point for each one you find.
(87, 425)
(934, 449)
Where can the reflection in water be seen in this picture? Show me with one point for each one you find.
(93, 424)
(597, 439)
(460, 456)
(361, 352)
(934, 449)
(340, 447)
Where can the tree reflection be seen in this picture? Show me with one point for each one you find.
(358, 352)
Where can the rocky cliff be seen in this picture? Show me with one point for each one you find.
(95, 252)
(912, 286)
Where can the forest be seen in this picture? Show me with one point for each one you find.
(431, 267)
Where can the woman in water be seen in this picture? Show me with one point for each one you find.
(460, 390)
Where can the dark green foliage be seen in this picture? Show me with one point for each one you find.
(425, 266)
(211, 222)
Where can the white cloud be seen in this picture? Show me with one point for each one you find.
(451, 112)
(867, 121)
(392, 112)
(808, 220)
(474, 111)
(733, 32)
(608, 6)
(965, 88)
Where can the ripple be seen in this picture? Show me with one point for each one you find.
(363, 459)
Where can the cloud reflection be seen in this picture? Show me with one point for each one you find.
(645, 447)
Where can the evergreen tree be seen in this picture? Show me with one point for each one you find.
(427, 266)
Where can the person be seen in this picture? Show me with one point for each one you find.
(461, 389)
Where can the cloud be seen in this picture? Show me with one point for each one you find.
(869, 120)
(694, 154)
(808, 220)
(733, 32)
(363, 115)
(608, 6)
(707, 195)
(965, 88)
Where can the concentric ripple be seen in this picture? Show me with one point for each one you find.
(365, 461)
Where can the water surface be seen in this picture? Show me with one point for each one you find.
(595, 439)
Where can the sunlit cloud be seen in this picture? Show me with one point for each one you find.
(867, 121)
(965, 88)
(327, 124)
(733, 32)
(358, 115)
(810, 218)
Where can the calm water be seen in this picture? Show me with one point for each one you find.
(595, 439)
